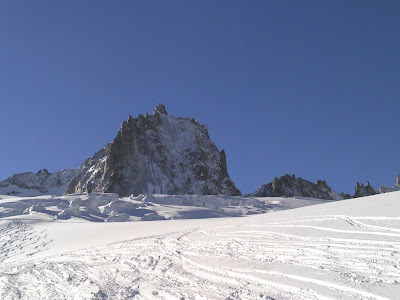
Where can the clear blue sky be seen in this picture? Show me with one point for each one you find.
(304, 87)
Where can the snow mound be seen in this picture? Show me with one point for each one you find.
(118, 206)
(117, 217)
(153, 217)
(214, 202)
(39, 207)
(69, 212)
(94, 199)
(98, 207)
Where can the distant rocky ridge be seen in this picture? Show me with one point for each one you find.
(291, 186)
(156, 154)
(362, 191)
(31, 184)
(387, 189)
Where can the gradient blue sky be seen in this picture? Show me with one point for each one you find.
(304, 87)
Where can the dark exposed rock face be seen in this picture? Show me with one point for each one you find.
(345, 196)
(291, 186)
(362, 191)
(160, 108)
(156, 154)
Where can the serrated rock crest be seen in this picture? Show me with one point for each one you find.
(156, 154)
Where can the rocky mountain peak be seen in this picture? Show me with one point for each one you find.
(160, 108)
(157, 154)
(43, 172)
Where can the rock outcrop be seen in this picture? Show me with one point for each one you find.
(387, 189)
(291, 186)
(362, 191)
(156, 154)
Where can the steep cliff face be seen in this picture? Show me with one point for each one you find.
(156, 154)
(31, 184)
(291, 186)
(362, 191)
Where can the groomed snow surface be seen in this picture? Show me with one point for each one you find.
(205, 247)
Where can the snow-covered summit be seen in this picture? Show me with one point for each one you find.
(31, 184)
(156, 154)
(290, 186)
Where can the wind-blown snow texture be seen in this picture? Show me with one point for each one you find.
(103, 207)
(290, 186)
(339, 250)
(41, 183)
(156, 154)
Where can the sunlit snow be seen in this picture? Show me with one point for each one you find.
(337, 250)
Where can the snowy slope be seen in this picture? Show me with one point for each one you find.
(346, 249)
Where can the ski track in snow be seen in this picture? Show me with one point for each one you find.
(18, 239)
(255, 260)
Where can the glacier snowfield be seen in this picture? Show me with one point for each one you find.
(199, 247)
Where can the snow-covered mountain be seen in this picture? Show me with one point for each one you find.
(291, 186)
(156, 154)
(31, 184)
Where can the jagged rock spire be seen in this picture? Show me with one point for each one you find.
(362, 191)
(43, 172)
(386, 189)
(160, 108)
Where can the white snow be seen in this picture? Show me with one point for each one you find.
(346, 249)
